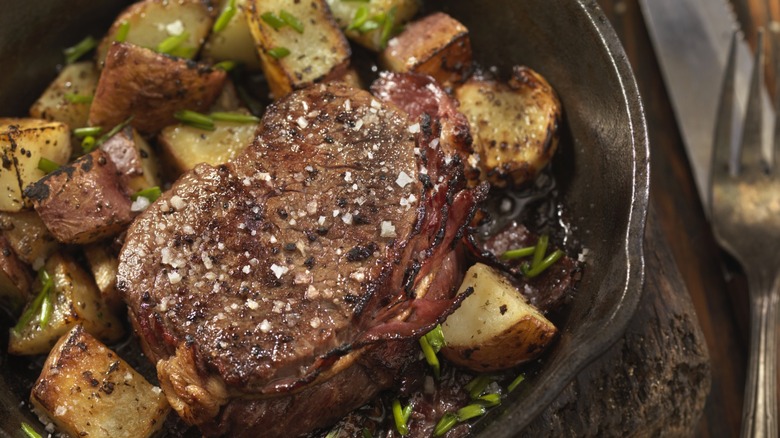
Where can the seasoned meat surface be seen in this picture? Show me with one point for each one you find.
(263, 281)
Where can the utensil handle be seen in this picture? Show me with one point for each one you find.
(759, 412)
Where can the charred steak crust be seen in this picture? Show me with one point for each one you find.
(264, 279)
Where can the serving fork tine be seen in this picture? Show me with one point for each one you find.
(745, 202)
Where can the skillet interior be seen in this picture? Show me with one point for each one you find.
(603, 178)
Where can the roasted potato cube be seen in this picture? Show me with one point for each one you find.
(186, 146)
(28, 236)
(134, 159)
(67, 98)
(150, 87)
(74, 299)
(316, 50)
(87, 390)
(83, 201)
(234, 42)
(374, 31)
(104, 265)
(494, 328)
(514, 125)
(23, 142)
(437, 45)
(150, 22)
(15, 278)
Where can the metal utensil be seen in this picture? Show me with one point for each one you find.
(745, 200)
(691, 39)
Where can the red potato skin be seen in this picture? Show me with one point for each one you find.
(84, 201)
(150, 87)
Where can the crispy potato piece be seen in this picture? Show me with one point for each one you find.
(494, 328)
(75, 80)
(15, 278)
(134, 159)
(373, 34)
(104, 265)
(319, 52)
(87, 390)
(514, 125)
(28, 236)
(151, 22)
(75, 300)
(234, 42)
(83, 201)
(150, 87)
(185, 146)
(23, 142)
(437, 45)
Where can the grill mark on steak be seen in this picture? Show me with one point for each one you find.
(235, 317)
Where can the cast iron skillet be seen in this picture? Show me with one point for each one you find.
(603, 177)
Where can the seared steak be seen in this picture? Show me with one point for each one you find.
(283, 289)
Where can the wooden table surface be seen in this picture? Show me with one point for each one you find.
(695, 294)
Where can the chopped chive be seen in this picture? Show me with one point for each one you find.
(291, 20)
(541, 250)
(399, 418)
(435, 338)
(407, 411)
(279, 52)
(86, 131)
(47, 166)
(446, 422)
(489, 400)
(513, 254)
(234, 117)
(225, 17)
(172, 42)
(78, 98)
(360, 17)
(333, 433)
(35, 307)
(195, 119)
(518, 380)
(430, 356)
(369, 25)
(47, 307)
(88, 144)
(477, 385)
(544, 264)
(471, 411)
(121, 33)
(367, 433)
(184, 52)
(110, 133)
(150, 193)
(29, 431)
(72, 54)
(272, 20)
(225, 65)
(387, 27)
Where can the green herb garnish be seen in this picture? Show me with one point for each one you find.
(401, 417)
(72, 54)
(121, 33)
(29, 431)
(106, 136)
(435, 338)
(544, 264)
(291, 20)
(47, 166)
(88, 144)
(150, 193)
(447, 422)
(272, 20)
(366, 433)
(333, 433)
(477, 385)
(513, 254)
(279, 52)
(37, 306)
(87, 131)
(172, 43)
(195, 119)
(370, 25)
(78, 98)
(387, 27)
(518, 380)
(360, 17)
(225, 17)
(471, 411)
(225, 65)
(489, 400)
(430, 356)
(234, 117)
(541, 249)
